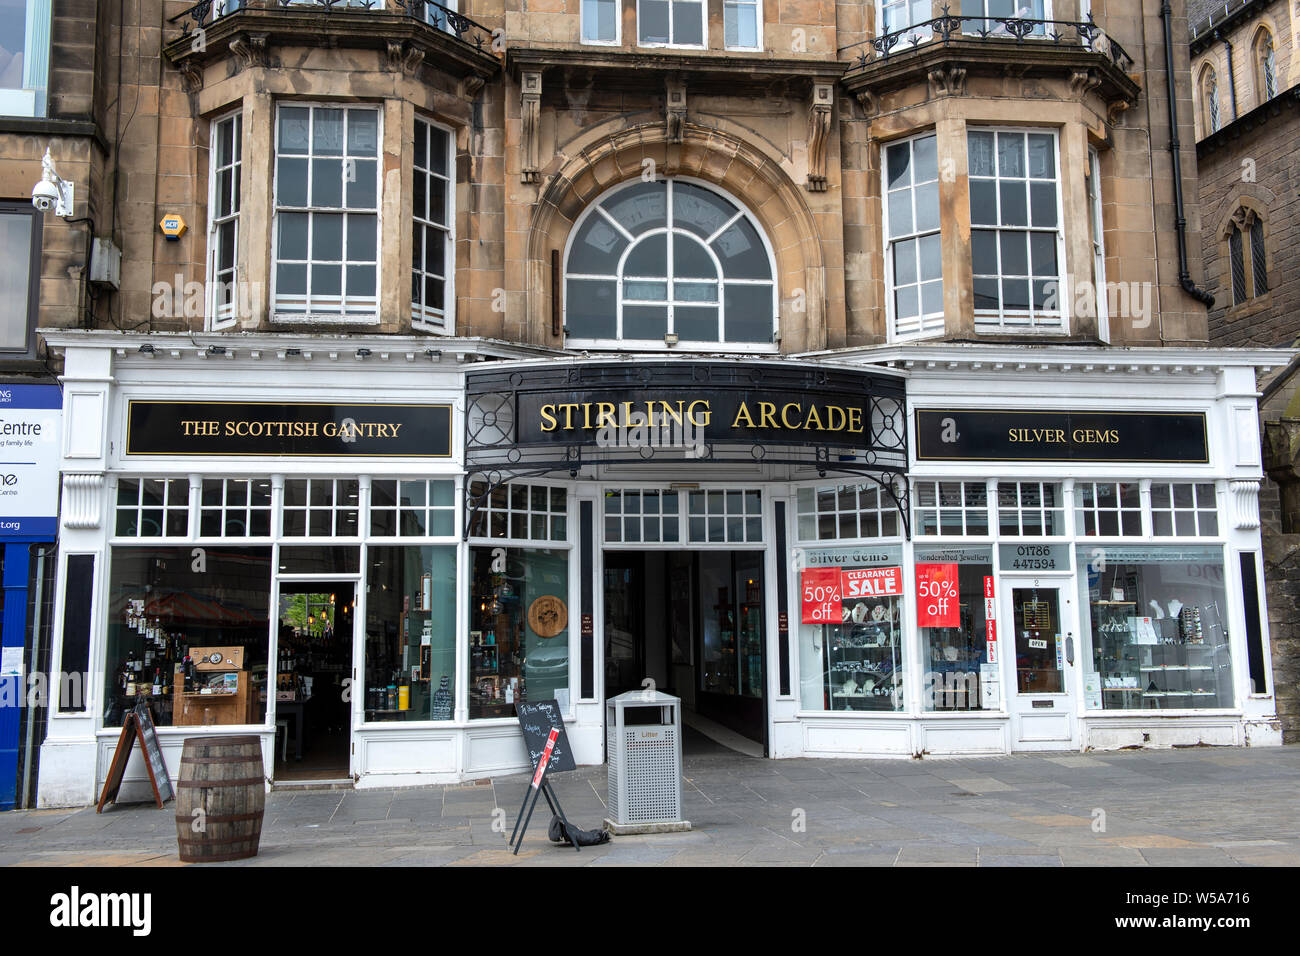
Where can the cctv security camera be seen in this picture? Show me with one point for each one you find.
(45, 195)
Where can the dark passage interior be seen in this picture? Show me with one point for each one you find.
(691, 621)
(312, 711)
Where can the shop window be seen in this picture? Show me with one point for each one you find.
(410, 633)
(634, 516)
(724, 517)
(165, 612)
(412, 508)
(600, 21)
(995, 13)
(1030, 508)
(519, 629)
(522, 511)
(666, 262)
(1247, 255)
(321, 507)
(670, 23)
(742, 24)
(1157, 630)
(153, 507)
(951, 507)
(898, 15)
(1265, 66)
(951, 585)
(20, 245)
(1107, 508)
(841, 512)
(223, 210)
(326, 214)
(855, 661)
(24, 57)
(914, 256)
(235, 508)
(432, 242)
(1016, 239)
(1183, 510)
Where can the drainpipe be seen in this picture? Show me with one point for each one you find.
(1232, 77)
(1180, 220)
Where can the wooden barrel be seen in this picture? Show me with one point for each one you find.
(223, 777)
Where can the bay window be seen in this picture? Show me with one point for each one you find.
(433, 260)
(326, 215)
(742, 24)
(914, 258)
(1015, 230)
(223, 207)
(670, 23)
(24, 57)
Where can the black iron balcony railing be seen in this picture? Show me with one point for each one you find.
(207, 12)
(943, 29)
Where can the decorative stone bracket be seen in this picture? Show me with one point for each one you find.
(948, 81)
(250, 48)
(403, 57)
(819, 131)
(81, 500)
(1243, 498)
(675, 110)
(530, 114)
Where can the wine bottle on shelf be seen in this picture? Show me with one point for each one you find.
(157, 682)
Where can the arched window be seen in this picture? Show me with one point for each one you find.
(653, 264)
(1265, 66)
(1210, 100)
(1247, 255)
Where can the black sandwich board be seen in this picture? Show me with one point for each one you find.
(138, 723)
(548, 752)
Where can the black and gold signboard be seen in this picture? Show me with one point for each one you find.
(294, 429)
(1006, 434)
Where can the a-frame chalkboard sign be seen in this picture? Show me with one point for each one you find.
(549, 752)
(138, 723)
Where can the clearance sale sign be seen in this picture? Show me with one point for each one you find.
(826, 589)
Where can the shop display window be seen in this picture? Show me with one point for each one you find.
(321, 507)
(522, 511)
(153, 507)
(235, 508)
(1030, 508)
(1107, 508)
(1158, 629)
(954, 628)
(410, 663)
(855, 663)
(1183, 510)
(731, 623)
(951, 507)
(412, 508)
(188, 632)
(842, 512)
(519, 628)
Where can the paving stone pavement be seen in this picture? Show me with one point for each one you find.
(1195, 807)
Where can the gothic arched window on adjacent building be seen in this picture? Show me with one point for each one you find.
(1209, 100)
(1265, 66)
(653, 264)
(1247, 256)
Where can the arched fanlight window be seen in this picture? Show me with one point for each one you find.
(654, 264)
(1210, 99)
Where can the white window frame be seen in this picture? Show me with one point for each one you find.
(1199, 510)
(758, 23)
(225, 511)
(596, 208)
(928, 325)
(1098, 229)
(219, 316)
(179, 484)
(969, 512)
(1081, 510)
(883, 511)
(1034, 324)
(670, 45)
(424, 318)
(1039, 33)
(307, 316)
(618, 24)
(32, 97)
(336, 509)
(904, 41)
(1041, 511)
(426, 510)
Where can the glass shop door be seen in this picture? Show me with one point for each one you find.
(1044, 650)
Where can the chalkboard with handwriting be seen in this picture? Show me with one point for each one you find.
(536, 718)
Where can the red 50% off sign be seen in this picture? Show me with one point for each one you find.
(821, 596)
(937, 604)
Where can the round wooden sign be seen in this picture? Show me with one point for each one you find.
(548, 616)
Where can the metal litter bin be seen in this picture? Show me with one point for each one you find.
(643, 742)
